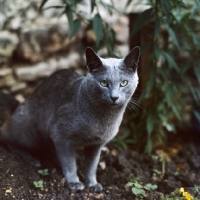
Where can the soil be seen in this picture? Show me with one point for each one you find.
(172, 168)
(115, 170)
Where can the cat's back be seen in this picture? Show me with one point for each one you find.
(58, 82)
(57, 90)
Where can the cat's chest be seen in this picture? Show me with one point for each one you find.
(99, 131)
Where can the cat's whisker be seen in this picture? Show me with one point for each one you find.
(133, 107)
(135, 103)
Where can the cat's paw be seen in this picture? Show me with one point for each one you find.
(76, 185)
(96, 188)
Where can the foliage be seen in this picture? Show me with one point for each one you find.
(171, 66)
(140, 190)
(39, 184)
(43, 172)
(103, 32)
(122, 141)
(180, 194)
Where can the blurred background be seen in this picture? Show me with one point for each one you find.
(39, 37)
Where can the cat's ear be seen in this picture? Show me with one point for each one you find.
(132, 59)
(93, 60)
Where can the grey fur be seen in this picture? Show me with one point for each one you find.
(69, 110)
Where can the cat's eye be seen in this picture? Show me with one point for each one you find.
(123, 83)
(104, 83)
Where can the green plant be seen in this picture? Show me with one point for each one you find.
(156, 172)
(176, 173)
(105, 35)
(138, 189)
(122, 141)
(197, 188)
(43, 172)
(180, 194)
(174, 46)
(39, 184)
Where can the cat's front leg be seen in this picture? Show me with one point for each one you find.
(92, 155)
(66, 155)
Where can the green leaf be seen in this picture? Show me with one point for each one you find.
(194, 93)
(150, 124)
(73, 24)
(98, 28)
(108, 7)
(176, 112)
(43, 172)
(173, 36)
(157, 29)
(150, 83)
(138, 192)
(70, 18)
(141, 21)
(128, 3)
(185, 68)
(57, 7)
(197, 115)
(150, 186)
(169, 93)
(129, 184)
(156, 171)
(170, 60)
(76, 27)
(149, 146)
(92, 5)
(165, 7)
(197, 71)
(71, 2)
(197, 2)
(39, 184)
(110, 34)
(42, 4)
(137, 185)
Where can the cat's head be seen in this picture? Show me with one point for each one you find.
(112, 81)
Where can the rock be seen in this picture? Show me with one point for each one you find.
(32, 73)
(18, 86)
(16, 14)
(7, 81)
(5, 71)
(39, 41)
(15, 23)
(19, 98)
(71, 61)
(123, 50)
(31, 13)
(98, 196)
(102, 165)
(8, 43)
(45, 69)
(8, 190)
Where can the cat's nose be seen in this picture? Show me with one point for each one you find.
(114, 98)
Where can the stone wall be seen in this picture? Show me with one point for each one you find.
(33, 46)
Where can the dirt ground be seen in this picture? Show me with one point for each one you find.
(175, 167)
(115, 170)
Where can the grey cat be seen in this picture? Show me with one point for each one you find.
(69, 110)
